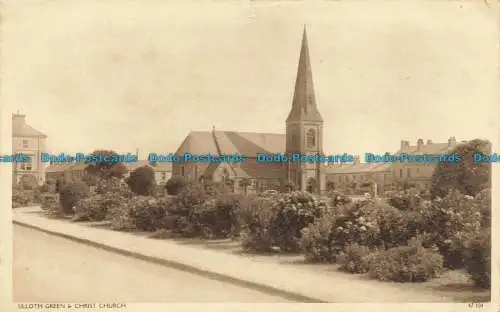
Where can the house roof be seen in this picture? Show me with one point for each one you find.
(26, 131)
(352, 168)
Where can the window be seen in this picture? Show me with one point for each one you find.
(408, 172)
(28, 166)
(25, 143)
(400, 173)
(418, 170)
(182, 170)
(311, 138)
(164, 175)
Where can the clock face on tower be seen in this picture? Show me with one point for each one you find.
(311, 138)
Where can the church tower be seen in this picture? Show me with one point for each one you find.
(304, 128)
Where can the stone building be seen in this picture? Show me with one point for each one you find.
(28, 141)
(420, 174)
(304, 134)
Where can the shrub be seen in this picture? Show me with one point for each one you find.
(256, 216)
(405, 200)
(336, 198)
(20, 199)
(48, 201)
(477, 258)
(143, 213)
(277, 221)
(353, 259)
(175, 184)
(450, 222)
(411, 263)
(142, 181)
(317, 241)
(70, 194)
(96, 207)
(46, 188)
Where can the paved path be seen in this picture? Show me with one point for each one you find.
(48, 268)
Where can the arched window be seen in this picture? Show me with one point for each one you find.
(311, 138)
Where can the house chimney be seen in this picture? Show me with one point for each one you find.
(420, 142)
(452, 141)
(405, 144)
(213, 129)
(18, 121)
(429, 142)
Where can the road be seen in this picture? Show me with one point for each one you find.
(47, 268)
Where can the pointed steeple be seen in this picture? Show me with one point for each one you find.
(304, 102)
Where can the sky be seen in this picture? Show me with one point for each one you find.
(122, 75)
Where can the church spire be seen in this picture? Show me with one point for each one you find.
(304, 101)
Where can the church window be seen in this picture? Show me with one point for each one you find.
(311, 138)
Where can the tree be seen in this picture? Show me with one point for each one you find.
(466, 175)
(175, 184)
(90, 179)
(142, 181)
(105, 169)
(245, 183)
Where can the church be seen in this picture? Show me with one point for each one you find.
(304, 135)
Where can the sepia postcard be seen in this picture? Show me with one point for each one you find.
(165, 155)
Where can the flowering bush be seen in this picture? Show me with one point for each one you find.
(143, 213)
(477, 258)
(406, 200)
(317, 241)
(20, 199)
(353, 258)
(48, 200)
(450, 222)
(337, 198)
(277, 221)
(483, 199)
(96, 207)
(411, 263)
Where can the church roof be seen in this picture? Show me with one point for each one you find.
(229, 142)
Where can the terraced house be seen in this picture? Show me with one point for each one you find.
(29, 141)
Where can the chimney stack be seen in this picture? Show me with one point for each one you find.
(452, 141)
(405, 144)
(18, 120)
(213, 129)
(420, 142)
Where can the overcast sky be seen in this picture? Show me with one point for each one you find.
(127, 74)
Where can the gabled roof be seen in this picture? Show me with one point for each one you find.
(26, 131)
(229, 142)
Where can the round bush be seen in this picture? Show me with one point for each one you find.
(411, 263)
(175, 184)
(142, 181)
(70, 194)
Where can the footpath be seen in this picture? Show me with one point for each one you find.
(293, 283)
